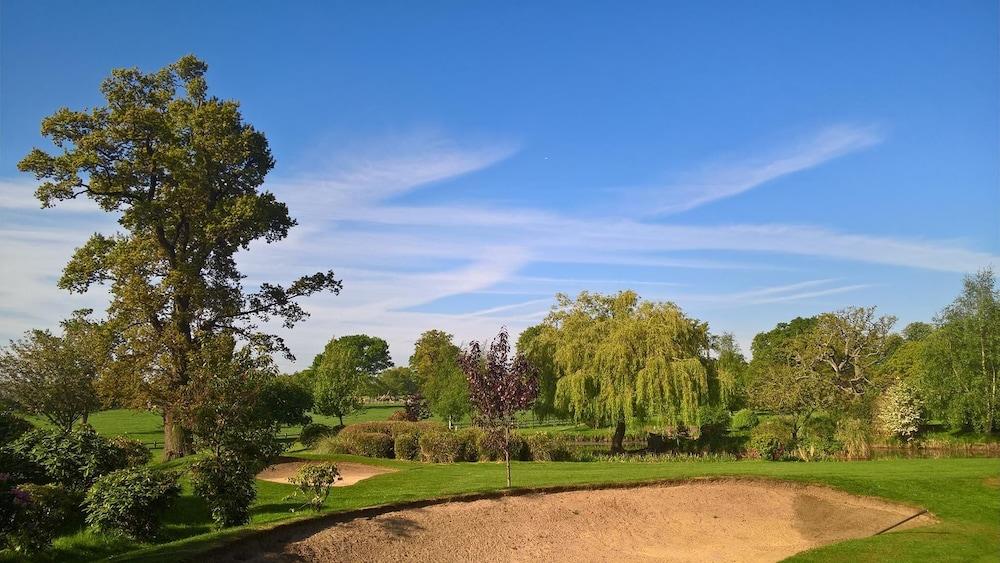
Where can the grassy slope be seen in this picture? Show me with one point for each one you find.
(953, 489)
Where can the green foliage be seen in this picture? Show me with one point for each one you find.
(287, 402)
(182, 173)
(713, 421)
(315, 481)
(74, 459)
(731, 371)
(345, 371)
(12, 427)
(54, 375)
(440, 447)
(490, 449)
(537, 345)
(226, 483)
(962, 378)
(623, 360)
(771, 439)
(826, 363)
(400, 381)
(313, 432)
(435, 362)
(543, 446)
(369, 444)
(854, 437)
(468, 443)
(744, 419)
(39, 513)
(407, 446)
(133, 451)
(131, 501)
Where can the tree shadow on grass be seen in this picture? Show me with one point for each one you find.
(189, 516)
(282, 508)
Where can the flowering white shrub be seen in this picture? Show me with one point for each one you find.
(900, 411)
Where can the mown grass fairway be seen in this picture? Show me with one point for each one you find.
(962, 493)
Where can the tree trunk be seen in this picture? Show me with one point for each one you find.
(617, 440)
(506, 453)
(341, 417)
(84, 418)
(176, 438)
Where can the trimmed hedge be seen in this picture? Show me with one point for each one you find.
(440, 447)
(548, 447)
(407, 446)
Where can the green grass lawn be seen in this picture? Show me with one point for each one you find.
(961, 492)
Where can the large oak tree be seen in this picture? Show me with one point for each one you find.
(182, 172)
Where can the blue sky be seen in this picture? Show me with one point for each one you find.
(458, 163)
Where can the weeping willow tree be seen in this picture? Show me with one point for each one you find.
(620, 360)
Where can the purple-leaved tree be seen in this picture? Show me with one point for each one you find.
(499, 386)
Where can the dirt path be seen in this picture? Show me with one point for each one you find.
(350, 473)
(697, 521)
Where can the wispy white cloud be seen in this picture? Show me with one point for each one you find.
(726, 179)
(397, 258)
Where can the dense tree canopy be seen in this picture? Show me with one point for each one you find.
(345, 371)
(539, 348)
(399, 381)
(182, 172)
(435, 361)
(962, 357)
(55, 375)
(622, 360)
(819, 364)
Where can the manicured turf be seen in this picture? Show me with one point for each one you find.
(961, 492)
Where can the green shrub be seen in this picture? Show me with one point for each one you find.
(854, 437)
(407, 446)
(131, 501)
(744, 419)
(816, 439)
(771, 439)
(489, 448)
(12, 427)
(75, 459)
(132, 451)
(391, 428)
(37, 515)
(312, 433)
(468, 443)
(440, 447)
(315, 480)
(226, 483)
(713, 421)
(369, 444)
(332, 445)
(548, 447)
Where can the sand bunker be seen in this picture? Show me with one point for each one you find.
(695, 521)
(350, 473)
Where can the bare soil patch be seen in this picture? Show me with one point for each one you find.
(694, 521)
(350, 473)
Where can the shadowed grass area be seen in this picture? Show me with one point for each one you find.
(960, 492)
